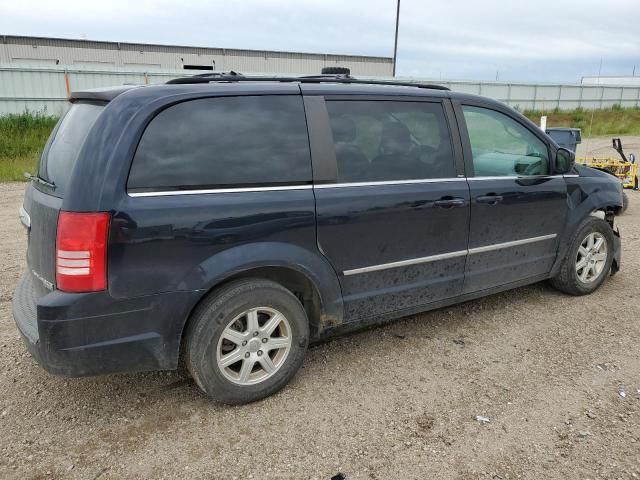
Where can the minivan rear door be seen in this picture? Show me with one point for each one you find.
(44, 196)
(392, 202)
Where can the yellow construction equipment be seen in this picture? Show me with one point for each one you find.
(623, 168)
(626, 172)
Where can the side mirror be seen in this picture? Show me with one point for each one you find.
(564, 161)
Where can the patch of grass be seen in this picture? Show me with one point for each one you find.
(593, 123)
(22, 138)
(12, 168)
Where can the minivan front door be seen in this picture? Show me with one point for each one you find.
(518, 207)
(394, 220)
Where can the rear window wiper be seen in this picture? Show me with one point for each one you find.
(41, 181)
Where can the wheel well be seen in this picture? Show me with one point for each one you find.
(606, 213)
(294, 281)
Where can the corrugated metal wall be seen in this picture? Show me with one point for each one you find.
(528, 96)
(632, 81)
(45, 89)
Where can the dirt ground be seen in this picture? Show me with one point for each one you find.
(601, 147)
(558, 378)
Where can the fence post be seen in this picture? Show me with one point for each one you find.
(67, 84)
(559, 96)
(509, 94)
(621, 96)
(580, 96)
(601, 96)
(638, 98)
(535, 95)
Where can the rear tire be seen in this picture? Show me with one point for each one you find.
(246, 341)
(572, 277)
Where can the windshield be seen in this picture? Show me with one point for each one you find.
(62, 150)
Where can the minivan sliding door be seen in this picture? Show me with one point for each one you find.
(393, 207)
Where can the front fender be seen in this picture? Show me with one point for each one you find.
(586, 195)
(244, 258)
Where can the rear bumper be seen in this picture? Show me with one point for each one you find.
(90, 334)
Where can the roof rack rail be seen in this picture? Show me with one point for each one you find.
(326, 78)
(230, 73)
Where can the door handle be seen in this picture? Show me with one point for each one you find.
(450, 203)
(490, 199)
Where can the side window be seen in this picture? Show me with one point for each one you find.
(503, 147)
(224, 142)
(388, 140)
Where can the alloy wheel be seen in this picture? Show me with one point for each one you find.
(253, 346)
(592, 257)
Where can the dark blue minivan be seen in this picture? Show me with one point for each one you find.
(225, 222)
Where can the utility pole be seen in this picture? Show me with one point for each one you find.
(395, 44)
(599, 70)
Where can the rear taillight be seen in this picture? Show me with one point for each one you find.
(81, 251)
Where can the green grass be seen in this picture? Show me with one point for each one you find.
(594, 123)
(22, 138)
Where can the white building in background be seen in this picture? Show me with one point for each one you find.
(51, 52)
(622, 81)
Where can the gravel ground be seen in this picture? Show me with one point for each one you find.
(601, 147)
(396, 402)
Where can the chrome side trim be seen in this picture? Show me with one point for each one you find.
(219, 190)
(404, 263)
(445, 256)
(24, 218)
(475, 179)
(328, 185)
(515, 243)
(390, 182)
(515, 177)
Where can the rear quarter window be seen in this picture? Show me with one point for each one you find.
(62, 149)
(224, 142)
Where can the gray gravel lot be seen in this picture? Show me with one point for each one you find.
(601, 146)
(396, 402)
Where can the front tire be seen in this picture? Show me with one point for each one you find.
(246, 341)
(588, 260)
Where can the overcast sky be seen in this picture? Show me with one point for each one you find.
(542, 40)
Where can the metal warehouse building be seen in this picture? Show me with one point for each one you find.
(40, 52)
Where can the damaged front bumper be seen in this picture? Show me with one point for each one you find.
(617, 251)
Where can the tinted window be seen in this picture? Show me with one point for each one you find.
(62, 151)
(503, 147)
(220, 142)
(385, 140)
